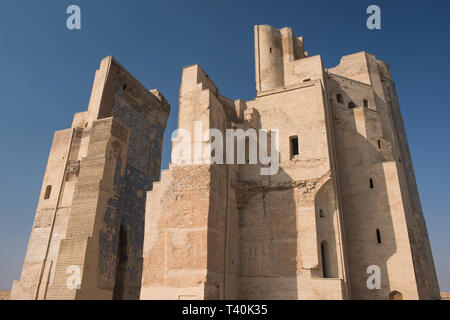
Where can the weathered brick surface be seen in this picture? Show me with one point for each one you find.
(309, 231)
(99, 172)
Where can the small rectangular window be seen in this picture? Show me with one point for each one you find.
(294, 146)
(371, 183)
(378, 236)
(48, 192)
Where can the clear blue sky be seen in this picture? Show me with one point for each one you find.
(47, 73)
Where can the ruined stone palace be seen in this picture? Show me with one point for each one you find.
(344, 201)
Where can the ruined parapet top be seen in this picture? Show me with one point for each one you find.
(356, 67)
(160, 96)
(195, 78)
(274, 50)
(112, 76)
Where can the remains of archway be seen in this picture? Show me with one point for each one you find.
(100, 171)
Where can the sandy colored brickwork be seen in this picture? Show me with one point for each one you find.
(347, 201)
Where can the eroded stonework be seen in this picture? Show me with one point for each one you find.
(345, 197)
(89, 226)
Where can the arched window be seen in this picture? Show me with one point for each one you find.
(371, 183)
(324, 255)
(366, 103)
(48, 192)
(351, 105)
(395, 295)
(340, 98)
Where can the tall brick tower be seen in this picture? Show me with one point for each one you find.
(344, 201)
(87, 237)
